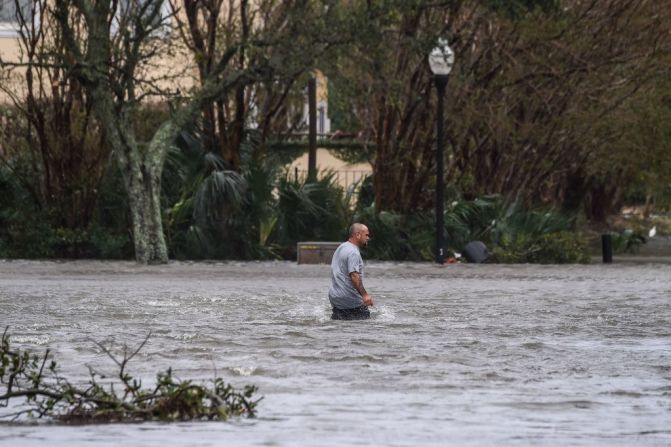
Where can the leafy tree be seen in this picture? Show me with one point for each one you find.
(635, 157)
(51, 143)
(557, 83)
(532, 86)
(292, 35)
(113, 61)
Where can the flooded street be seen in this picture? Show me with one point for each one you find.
(483, 355)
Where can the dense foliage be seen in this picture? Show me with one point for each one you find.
(215, 213)
(122, 160)
(540, 105)
(512, 233)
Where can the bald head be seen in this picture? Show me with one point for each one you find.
(358, 234)
(355, 228)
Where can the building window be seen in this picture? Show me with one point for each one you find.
(320, 121)
(9, 24)
(128, 9)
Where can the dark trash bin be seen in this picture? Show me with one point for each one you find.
(475, 252)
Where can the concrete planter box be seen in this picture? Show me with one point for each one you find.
(316, 252)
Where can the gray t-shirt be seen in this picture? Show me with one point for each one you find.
(346, 259)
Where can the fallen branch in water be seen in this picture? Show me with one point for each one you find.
(48, 394)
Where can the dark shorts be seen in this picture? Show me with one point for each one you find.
(358, 313)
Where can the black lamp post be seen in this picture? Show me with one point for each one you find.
(441, 61)
(312, 128)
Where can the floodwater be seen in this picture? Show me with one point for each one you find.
(458, 355)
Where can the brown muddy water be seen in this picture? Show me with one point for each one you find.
(481, 355)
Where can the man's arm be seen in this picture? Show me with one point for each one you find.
(358, 285)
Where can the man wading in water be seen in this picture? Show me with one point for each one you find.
(349, 299)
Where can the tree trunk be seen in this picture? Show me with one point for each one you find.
(143, 186)
(141, 171)
(144, 195)
(389, 195)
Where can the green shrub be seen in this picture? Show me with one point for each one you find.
(69, 243)
(109, 245)
(310, 210)
(398, 237)
(109, 233)
(513, 233)
(26, 234)
(253, 213)
(214, 212)
(627, 241)
(552, 248)
(24, 228)
(366, 194)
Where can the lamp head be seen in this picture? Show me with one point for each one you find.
(441, 58)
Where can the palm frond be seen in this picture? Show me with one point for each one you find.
(219, 193)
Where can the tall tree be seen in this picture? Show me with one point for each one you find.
(551, 82)
(291, 34)
(530, 84)
(386, 77)
(116, 62)
(111, 60)
(61, 138)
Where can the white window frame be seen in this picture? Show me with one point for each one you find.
(166, 12)
(10, 28)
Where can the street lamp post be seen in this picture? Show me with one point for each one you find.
(312, 128)
(441, 60)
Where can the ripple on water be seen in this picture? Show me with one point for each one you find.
(245, 371)
(476, 355)
(162, 303)
(40, 340)
(553, 406)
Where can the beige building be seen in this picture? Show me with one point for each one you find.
(347, 175)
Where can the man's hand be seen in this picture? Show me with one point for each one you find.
(358, 285)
